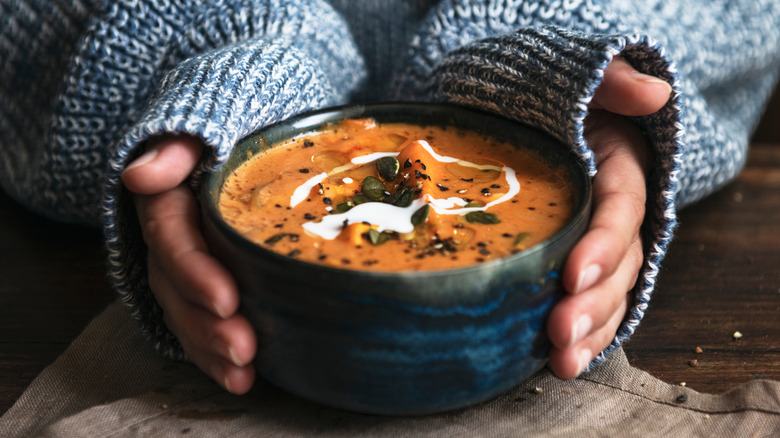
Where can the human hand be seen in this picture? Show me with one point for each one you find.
(198, 296)
(605, 263)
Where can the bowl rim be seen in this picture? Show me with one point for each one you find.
(311, 121)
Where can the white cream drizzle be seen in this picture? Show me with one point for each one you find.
(390, 217)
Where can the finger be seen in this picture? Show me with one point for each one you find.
(223, 348)
(619, 196)
(625, 91)
(237, 379)
(172, 232)
(568, 363)
(163, 166)
(577, 317)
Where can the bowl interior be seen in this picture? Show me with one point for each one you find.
(425, 114)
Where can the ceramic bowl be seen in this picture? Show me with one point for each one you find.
(398, 343)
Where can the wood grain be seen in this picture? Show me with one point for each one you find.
(721, 275)
(52, 283)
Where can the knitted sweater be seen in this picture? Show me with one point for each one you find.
(85, 83)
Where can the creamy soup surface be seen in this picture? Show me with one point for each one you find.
(396, 197)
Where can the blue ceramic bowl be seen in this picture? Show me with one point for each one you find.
(398, 343)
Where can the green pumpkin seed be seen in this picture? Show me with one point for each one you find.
(421, 215)
(388, 168)
(377, 238)
(406, 198)
(480, 217)
(520, 237)
(373, 188)
(403, 197)
(344, 207)
(277, 237)
(394, 197)
(360, 199)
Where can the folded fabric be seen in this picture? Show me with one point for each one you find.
(110, 382)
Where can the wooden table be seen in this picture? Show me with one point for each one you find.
(722, 275)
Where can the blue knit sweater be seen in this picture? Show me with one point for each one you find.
(84, 83)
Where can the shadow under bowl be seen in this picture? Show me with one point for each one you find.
(398, 342)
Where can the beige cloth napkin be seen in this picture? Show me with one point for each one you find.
(109, 382)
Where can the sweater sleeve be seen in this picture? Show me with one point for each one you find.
(38, 40)
(221, 73)
(540, 64)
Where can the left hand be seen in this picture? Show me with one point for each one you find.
(198, 295)
(604, 265)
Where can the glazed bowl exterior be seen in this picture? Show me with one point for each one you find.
(397, 342)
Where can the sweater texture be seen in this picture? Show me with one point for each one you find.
(84, 84)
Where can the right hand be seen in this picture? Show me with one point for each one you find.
(198, 295)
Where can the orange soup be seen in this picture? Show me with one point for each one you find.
(395, 197)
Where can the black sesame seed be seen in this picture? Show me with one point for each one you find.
(303, 170)
(327, 200)
(308, 143)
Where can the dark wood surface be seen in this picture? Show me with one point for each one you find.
(721, 275)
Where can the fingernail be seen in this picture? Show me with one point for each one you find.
(585, 358)
(650, 79)
(216, 373)
(222, 347)
(226, 383)
(588, 277)
(146, 157)
(219, 310)
(581, 329)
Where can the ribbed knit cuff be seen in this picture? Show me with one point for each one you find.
(545, 78)
(219, 97)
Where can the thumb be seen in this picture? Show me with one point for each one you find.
(627, 92)
(164, 165)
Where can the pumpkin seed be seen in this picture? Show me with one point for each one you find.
(401, 198)
(360, 199)
(520, 238)
(394, 197)
(406, 198)
(388, 168)
(277, 237)
(344, 207)
(480, 217)
(378, 238)
(421, 215)
(373, 188)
